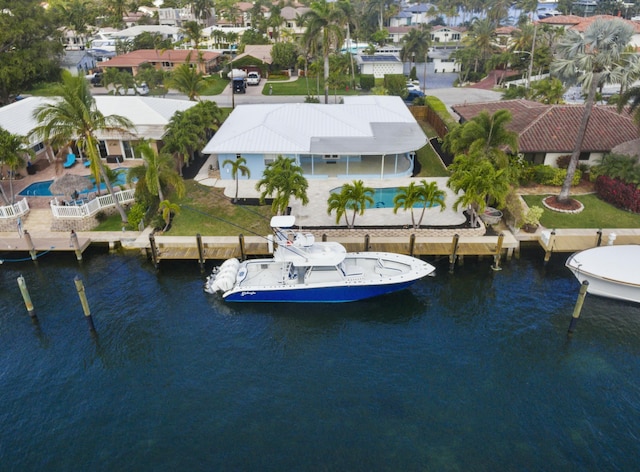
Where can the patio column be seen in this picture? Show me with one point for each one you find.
(382, 168)
(347, 164)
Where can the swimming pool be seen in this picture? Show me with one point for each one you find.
(41, 189)
(383, 197)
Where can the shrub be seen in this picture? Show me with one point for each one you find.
(412, 74)
(618, 193)
(396, 84)
(533, 215)
(513, 209)
(101, 217)
(136, 214)
(563, 161)
(310, 99)
(367, 81)
(547, 175)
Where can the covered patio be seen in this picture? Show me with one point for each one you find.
(352, 167)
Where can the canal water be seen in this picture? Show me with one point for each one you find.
(470, 371)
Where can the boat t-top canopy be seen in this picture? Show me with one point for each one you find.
(286, 221)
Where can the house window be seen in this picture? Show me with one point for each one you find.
(455, 37)
(269, 159)
(331, 157)
(167, 65)
(584, 156)
(127, 150)
(38, 147)
(102, 149)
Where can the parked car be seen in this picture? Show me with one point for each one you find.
(253, 78)
(96, 80)
(239, 85)
(413, 94)
(413, 86)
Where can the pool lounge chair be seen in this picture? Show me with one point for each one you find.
(71, 160)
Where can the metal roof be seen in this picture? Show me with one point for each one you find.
(369, 125)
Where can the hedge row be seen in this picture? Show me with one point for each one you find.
(618, 193)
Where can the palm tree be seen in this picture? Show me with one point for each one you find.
(589, 59)
(187, 80)
(202, 8)
(426, 194)
(74, 116)
(484, 132)
(13, 149)
(482, 39)
(283, 179)
(168, 208)
(481, 183)
(192, 31)
(237, 167)
(324, 24)
(157, 173)
(355, 197)
(415, 44)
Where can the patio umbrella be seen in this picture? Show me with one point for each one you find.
(68, 184)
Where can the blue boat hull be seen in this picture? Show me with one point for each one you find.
(317, 295)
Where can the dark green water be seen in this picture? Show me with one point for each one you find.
(471, 371)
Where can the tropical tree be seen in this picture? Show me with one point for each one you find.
(13, 150)
(187, 80)
(549, 91)
(590, 59)
(74, 116)
(415, 44)
(167, 208)
(202, 8)
(238, 168)
(425, 194)
(192, 31)
(283, 179)
(324, 25)
(353, 197)
(158, 172)
(486, 133)
(481, 183)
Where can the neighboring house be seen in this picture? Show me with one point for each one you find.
(78, 62)
(447, 34)
(72, 40)
(504, 36)
(166, 32)
(580, 24)
(547, 132)
(290, 16)
(166, 60)
(380, 64)
(370, 136)
(402, 18)
(149, 115)
(261, 52)
(441, 58)
(396, 33)
(179, 16)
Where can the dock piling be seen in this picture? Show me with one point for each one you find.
(366, 242)
(22, 284)
(154, 250)
(32, 248)
(85, 304)
(76, 245)
(549, 250)
(578, 308)
(599, 238)
(496, 257)
(412, 244)
(453, 252)
(200, 252)
(242, 250)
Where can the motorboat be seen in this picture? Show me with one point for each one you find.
(305, 270)
(612, 271)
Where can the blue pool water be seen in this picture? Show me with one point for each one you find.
(382, 197)
(41, 189)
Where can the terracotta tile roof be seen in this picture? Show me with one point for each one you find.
(580, 23)
(177, 56)
(553, 128)
(562, 20)
(506, 30)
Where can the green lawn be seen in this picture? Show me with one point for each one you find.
(596, 214)
(215, 85)
(305, 87)
(430, 162)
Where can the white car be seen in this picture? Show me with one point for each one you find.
(411, 87)
(253, 78)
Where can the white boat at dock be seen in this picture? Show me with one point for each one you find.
(305, 271)
(612, 271)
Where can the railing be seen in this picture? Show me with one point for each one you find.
(92, 206)
(17, 209)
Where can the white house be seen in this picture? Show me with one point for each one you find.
(369, 136)
(149, 115)
(379, 64)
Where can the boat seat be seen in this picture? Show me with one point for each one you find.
(353, 271)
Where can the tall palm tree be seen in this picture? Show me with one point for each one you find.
(202, 8)
(282, 180)
(192, 31)
(354, 197)
(481, 38)
(74, 116)
(13, 149)
(238, 168)
(590, 59)
(324, 24)
(415, 44)
(425, 194)
(158, 172)
(167, 208)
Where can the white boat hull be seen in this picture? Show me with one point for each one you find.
(612, 271)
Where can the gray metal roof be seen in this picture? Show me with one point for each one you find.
(368, 125)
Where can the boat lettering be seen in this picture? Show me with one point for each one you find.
(242, 294)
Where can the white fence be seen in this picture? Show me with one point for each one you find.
(17, 209)
(92, 206)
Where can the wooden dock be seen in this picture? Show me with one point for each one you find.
(573, 240)
(37, 245)
(206, 248)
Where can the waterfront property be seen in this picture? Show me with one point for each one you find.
(547, 132)
(372, 136)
